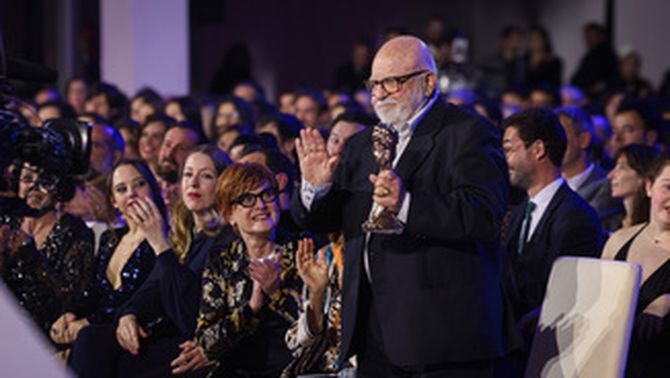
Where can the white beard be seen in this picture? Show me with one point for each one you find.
(400, 111)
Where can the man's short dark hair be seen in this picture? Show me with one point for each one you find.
(540, 124)
(358, 117)
(159, 117)
(276, 162)
(115, 98)
(644, 109)
(264, 141)
(550, 90)
(65, 109)
(287, 125)
(315, 95)
(194, 127)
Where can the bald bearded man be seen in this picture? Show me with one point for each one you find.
(427, 302)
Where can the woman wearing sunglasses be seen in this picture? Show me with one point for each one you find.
(49, 258)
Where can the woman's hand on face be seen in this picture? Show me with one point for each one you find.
(148, 218)
(192, 357)
(314, 273)
(266, 272)
(128, 333)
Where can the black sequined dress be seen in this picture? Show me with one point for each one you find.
(47, 279)
(99, 302)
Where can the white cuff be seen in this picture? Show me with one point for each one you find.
(404, 208)
(310, 193)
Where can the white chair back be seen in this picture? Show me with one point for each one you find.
(586, 320)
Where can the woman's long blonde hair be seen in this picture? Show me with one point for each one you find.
(182, 221)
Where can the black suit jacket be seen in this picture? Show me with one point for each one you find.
(569, 226)
(437, 286)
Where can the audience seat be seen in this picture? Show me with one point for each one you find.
(586, 320)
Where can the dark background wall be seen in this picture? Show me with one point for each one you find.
(299, 43)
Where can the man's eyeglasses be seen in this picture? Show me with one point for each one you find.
(391, 84)
(249, 199)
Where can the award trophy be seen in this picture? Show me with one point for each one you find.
(381, 221)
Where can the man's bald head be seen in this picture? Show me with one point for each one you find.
(402, 55)
(402, 80)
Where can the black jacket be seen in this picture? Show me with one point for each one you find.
(436, 286)
(568, 227)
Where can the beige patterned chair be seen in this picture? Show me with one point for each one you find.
(586, 320)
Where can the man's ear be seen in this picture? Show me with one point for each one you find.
(585, 139)
(282, 181)
(429, 84)
(651, 137)
(324, 117)
(289, 145)
(118, 155)
(647, 187)
(538, 149)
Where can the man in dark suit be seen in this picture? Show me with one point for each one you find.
(588, 179)
(427, 301)
(554, 221)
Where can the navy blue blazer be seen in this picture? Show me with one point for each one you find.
(569, 226)
(436, 286)
(170, 297)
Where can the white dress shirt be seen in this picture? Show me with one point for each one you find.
(310, 193)
(542, 200)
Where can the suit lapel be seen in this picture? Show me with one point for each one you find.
(597, 174)
(367, 159)
(422, 141)
(555, 202)
(514, 226)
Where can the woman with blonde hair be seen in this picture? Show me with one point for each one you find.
(161, 315)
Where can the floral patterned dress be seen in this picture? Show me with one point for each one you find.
(241, 341)
(320, 353)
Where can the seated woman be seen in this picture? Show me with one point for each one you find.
(162, 313)
(231, 111)
(251, 289)
(648, 245)
(53, 260)
(125, 258)
(315, 337)
(627, 181)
